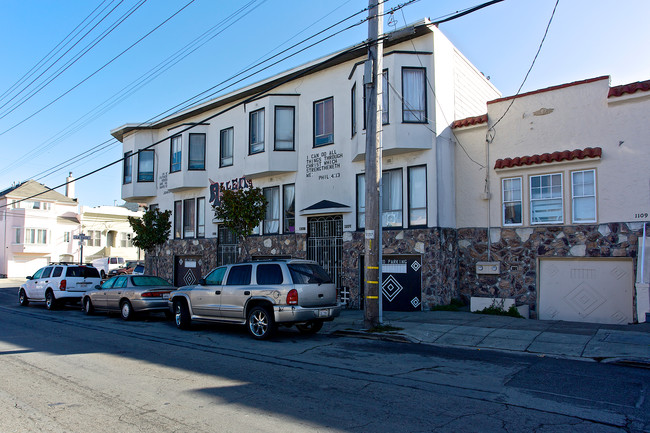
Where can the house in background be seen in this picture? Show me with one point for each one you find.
(35, 231)
(555, 194)
(109, 231)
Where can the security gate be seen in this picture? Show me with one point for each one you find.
(325, 244)
(226, 247)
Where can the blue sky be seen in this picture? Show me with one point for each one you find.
(588, 38)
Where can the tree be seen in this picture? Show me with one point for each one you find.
(241, 211)
(151, 231)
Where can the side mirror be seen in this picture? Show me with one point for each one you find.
(202, 282)
(29, 277)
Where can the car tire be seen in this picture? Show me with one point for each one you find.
(260, 323)
(126, 310)
(50, 300)
(182, 315)
(310, 327)
(22, 298)
(87, 306)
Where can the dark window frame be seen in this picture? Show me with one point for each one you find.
(315, 137)
(153, 164)
(189, 220)
(268, 206)
(232, 147)
(178, 219)
(353, 110)
(424, 89)
(189, 152)
(172, 141)
(250, 132)
(127, 166)
(285, 228)
(408, 195)
(198, 212)
(293, 127)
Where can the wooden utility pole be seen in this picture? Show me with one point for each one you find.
(373, 84)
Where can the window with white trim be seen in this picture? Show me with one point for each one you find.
(200, 217)
(391, 199)
(414, 101)
(226, 147)
(256, 132)
(36, 236)
(272, 218)
(95, 238)
(512, 201)
(284, 128)
(417, 185)
(583, 194)
(546, 204)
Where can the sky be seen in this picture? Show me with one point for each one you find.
(52, 117)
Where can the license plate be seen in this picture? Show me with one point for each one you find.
(165, 296)
(323, 313)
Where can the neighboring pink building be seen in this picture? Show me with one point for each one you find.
(37, 230)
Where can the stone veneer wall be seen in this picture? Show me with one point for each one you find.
(517, 249)
(438, 248)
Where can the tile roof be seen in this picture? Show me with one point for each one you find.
(644, 86)
(567, 155)
(469, 121)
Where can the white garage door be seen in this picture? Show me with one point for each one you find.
(598, 290)
(20, 267)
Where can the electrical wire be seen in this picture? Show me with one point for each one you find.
(98, 70)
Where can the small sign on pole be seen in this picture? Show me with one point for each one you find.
(82, 237)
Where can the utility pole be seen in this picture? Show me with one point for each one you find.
(373, 85)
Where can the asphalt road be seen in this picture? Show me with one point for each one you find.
(63, 371)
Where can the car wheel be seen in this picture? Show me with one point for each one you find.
(310, 327)
(50, 300)
(261, 324)
(22, 298)
(182, 315)
(126, 310)
(88, 306)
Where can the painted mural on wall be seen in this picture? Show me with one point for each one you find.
(217, 188)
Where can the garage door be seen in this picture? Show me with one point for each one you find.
(586, 290)
(22, 266)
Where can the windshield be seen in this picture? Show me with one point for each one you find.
(147, 281)
(308, 273)
(82, 271)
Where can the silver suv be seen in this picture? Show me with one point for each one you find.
(58, 283)
(260, 294)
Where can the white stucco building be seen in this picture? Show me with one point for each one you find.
(463, 216)
(110, 232)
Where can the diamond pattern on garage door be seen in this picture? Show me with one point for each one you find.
(189, 278)
(391, 288)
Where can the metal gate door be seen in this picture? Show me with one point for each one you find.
(325, 244)
(187, 270)
(226, 247)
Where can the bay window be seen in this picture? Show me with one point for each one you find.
(414, 103)
(256, 132)
(175, 154)
(284, 128)
(197, 152)
(145, 166)
(226, 147)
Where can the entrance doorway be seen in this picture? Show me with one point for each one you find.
(325, 244)
(187, 270)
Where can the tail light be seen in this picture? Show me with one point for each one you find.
(292, 297)
(153, 294)
(63, 285)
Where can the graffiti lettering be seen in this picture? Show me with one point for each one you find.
(217, 188)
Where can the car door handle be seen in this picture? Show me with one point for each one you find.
(217, 292)
(247, 293)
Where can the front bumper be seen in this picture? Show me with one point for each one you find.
(295, 314)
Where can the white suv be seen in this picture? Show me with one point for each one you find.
(58, 283)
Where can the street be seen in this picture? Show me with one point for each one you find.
(66, 372)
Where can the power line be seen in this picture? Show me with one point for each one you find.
(100, 69)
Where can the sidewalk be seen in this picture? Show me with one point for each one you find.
(624, 344)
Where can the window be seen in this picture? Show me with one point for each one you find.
(414, 101)
(128, 168)
(95, 238)
(239, 275)
(256, 132)
(269, 274)
(145, 166)
(512, 204)
(361, 201)
(289, 208)
(197, 152)
(272, 218)
(46, 273)
(353, 109)
(226, 147)
(546, 199)
(66, 236)
(36, 236)
(125, 240)
(284, 128)
(57, 271)
(384, 98)
(391, 199)
(178, 219)
(175, 154)
(188, 218)
(216, 277)
(417, 184)
(324, 122)
(583, 192)
(153, 206)
(200, 217)
(18, 238)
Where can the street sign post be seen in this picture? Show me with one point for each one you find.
(82, 237)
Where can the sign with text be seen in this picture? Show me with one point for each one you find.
(217, 188)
